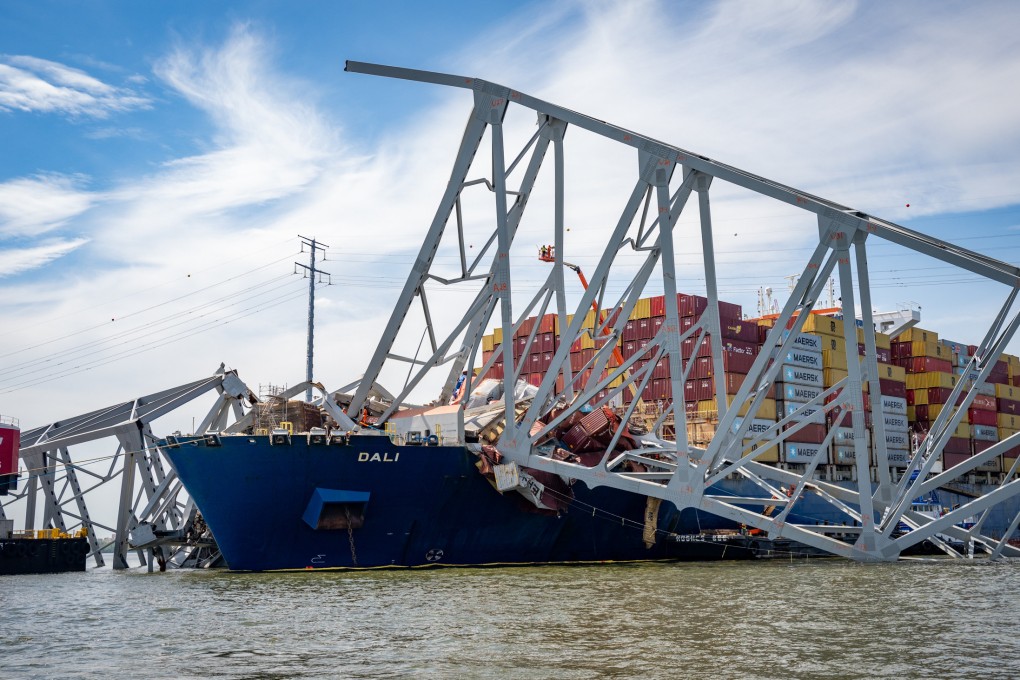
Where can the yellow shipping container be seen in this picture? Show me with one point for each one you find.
(916, 381)
(883, 341)
(914, 334)
(833, 359)
(497, 336)
(920, 398)
(890, 372)
(767, 410)
(768, 323)
(920, 348)
(1007, 432)
(587, 341)
(934, 410)
(769, 455)
(487, 343)
(860, 335)
(643, 309)
(1007, 392)
(831, 376)
(823, 325)
(589, 319)
(833, 344)
(962, 431)
(1009, 421)
(1013, 363)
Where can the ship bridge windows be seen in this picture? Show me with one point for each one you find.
(333, 509)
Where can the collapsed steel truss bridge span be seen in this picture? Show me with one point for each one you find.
(666, 177)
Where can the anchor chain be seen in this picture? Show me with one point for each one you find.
(350, 537)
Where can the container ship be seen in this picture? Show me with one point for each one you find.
(429, 489)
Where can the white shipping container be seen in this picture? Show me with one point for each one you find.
(758, 425)
(896, 423)
(800, 393)
(896, 405)
(809, 415)
(985, 433)
(805, 341)
(795, 452)
(803, 357)
(844, 455)
(802, 376)
(897, 440)
(846, 435)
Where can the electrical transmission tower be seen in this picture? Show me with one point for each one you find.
(310, 272)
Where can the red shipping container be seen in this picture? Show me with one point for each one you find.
(686, 322)
(661, 370)
(982, 417)
(928, 365)
(547, 324)
(983, 402)
(550, 343)
(657, 322)
(657, 305)
(535, 379)
(900, 350)
(813, 433)
(628, 350)
(1006, 405)
(958, 445)
(526, 326)
(837, 419)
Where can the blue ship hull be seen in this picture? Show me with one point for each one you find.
(421, 506)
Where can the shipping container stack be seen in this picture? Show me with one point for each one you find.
(917, 373)
(1007, 406)
(800, 379)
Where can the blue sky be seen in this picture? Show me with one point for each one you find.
(161, 158)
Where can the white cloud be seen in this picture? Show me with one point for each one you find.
(17, 260)
(36, 205)
(32, 84)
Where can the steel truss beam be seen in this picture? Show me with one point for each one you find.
(679, 471)
(149, 493)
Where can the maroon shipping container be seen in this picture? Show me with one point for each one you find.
(732, 363)
(629, 331)
(900, 350)
(576, 361)
(733, 346)
(704, 389)
(953, 459)
(927, 365)
(977, 446)
(738, 329)
(547, 359)
(892, 388)
(644, 329)
(836, 418)
(695, 305)
(1015, 382)
(1007, 406)
(550, 343)
(686, 322)
(534, 363)
(883, 355)
(657, 322)
(813, 433)
(957, 445)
